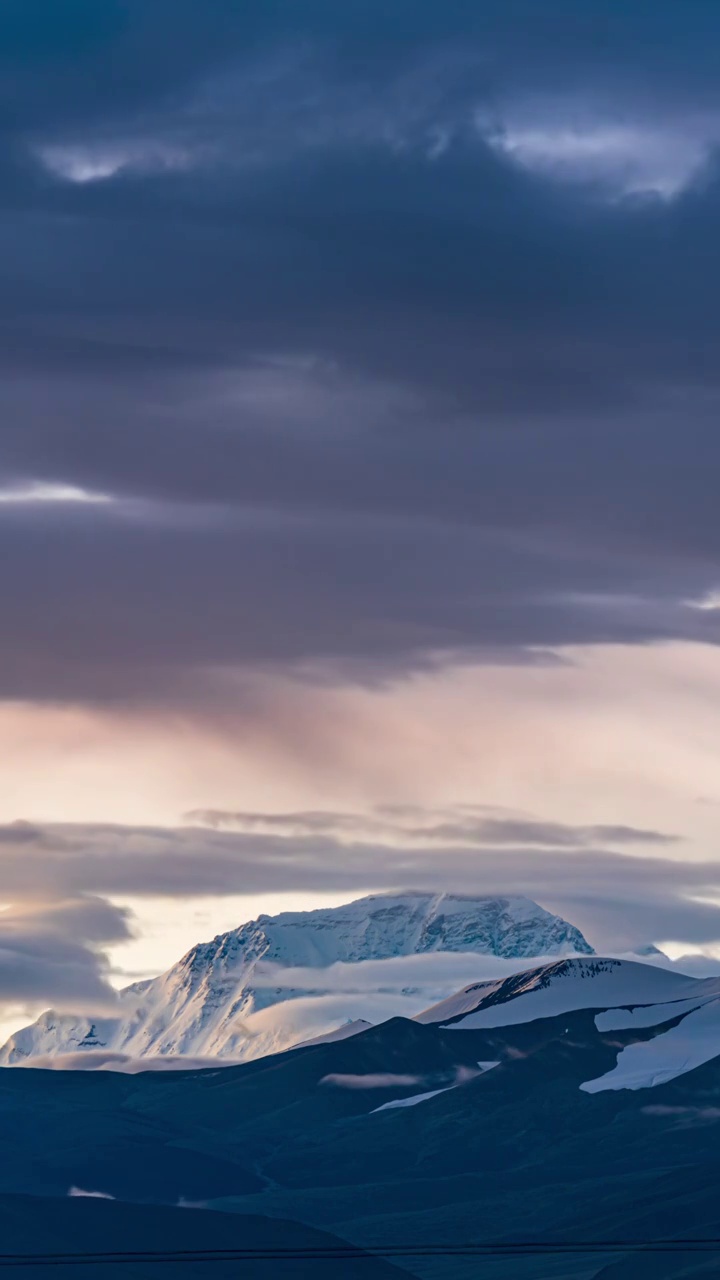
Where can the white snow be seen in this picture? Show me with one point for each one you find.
(412, 1101)
(695, 1040)
(651, 1015)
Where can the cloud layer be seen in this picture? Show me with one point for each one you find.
(103, 1060)
(51, 951)
(379, 341)
(619, 894)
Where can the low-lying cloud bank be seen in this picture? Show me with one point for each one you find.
(106, 1060)
(398, 975)
(373, 1080)
(390, 1080)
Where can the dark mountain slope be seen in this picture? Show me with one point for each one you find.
(518, 1152)
(33, 1226)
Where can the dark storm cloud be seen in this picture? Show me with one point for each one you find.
(619, 899)
(169, 613)
(376, 375)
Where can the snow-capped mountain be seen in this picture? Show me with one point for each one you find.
(229, 997)
(680, 1013)
(561, 987)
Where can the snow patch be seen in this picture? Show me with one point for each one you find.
(413, 1100)
(695, 1040)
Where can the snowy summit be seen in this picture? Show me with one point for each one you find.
(217, 1000)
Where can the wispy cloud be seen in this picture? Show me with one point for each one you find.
(460, 825)
(107, 1060)
(687, 1116)
(373, 1080)
(623, 157)
(98, 162)
(40, 491)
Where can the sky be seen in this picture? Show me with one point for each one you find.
(358, 469)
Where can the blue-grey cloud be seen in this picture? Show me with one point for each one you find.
(51, 947)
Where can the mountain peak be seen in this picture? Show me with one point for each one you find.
(217, 1000)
